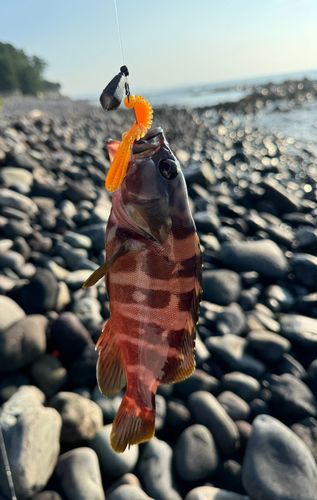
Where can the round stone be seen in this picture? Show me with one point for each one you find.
(221, 286)
(82, 418)
(111, 463)
(277, 464)
(10, 312)
(195, 453)
(23, 343)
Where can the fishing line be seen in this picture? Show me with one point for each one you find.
(119, 32)
(127, 86)
(7, 465)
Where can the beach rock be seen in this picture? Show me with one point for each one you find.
(221, 286)
(15, 228)
(307, 431)
(231, 349)
(160, 414)
(31, 433)
(127, 479)
(59, 272)
(229, 474)
(111, 463)
(11, 175)
(100, 213)
(248, 299)
(63, 296)
(13, 260)
(231, 320)
(207, 222)
(207, 411)
(97, 234)
(212, 493)
(9, 198)
(292, 397)
(79, 475)
(262, 256)
(177, 417)
(5, 245)
(202, 355)
(69, 335)
(198, 381)
(200, 173)
(236, 407)
(262, 319)
(49, 374)
(128, 491)
(47, 495)
(268, 345)
(78, 191)
(258, 407)
(83, 370)
(281, 295)
(284, 201)
(76, 279)
(288, 364)
(305, 269)
(109, 406)
(210, 242)
(195, 454)
(10, 312)
(243, 385)
(22, 247)
(25, 397)
(77, 240)
(300, 330)
(81, 418)
(155, 470)
(40, 243)
(88, 310)
(277, 464)
(72, 256)
(6, 284)
(22, 343)
(25, 160)
(40, 294)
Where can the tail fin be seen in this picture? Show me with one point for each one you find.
(133, 424)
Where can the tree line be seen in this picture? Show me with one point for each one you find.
(19, 72)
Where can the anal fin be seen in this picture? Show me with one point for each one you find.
(182, 365)
(111, 371)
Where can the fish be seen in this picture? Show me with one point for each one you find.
(154, 282)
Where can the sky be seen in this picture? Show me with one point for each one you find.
(166, 43)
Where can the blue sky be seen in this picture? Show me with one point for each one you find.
(166, 43)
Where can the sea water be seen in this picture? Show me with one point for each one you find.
(298, 123)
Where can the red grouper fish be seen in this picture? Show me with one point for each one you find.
(154, 284)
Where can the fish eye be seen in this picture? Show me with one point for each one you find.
(168, 169)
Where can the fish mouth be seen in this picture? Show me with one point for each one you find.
(149, 144)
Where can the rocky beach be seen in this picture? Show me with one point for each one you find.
(244, 425)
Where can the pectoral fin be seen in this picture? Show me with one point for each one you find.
(126, 247)
(113, 149)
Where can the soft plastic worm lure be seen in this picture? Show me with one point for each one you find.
(144, 115)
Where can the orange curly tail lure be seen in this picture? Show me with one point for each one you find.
(144, 115)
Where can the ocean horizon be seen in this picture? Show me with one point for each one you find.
(205, 94)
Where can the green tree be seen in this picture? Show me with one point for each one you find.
(8, 76)
(21, 72)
